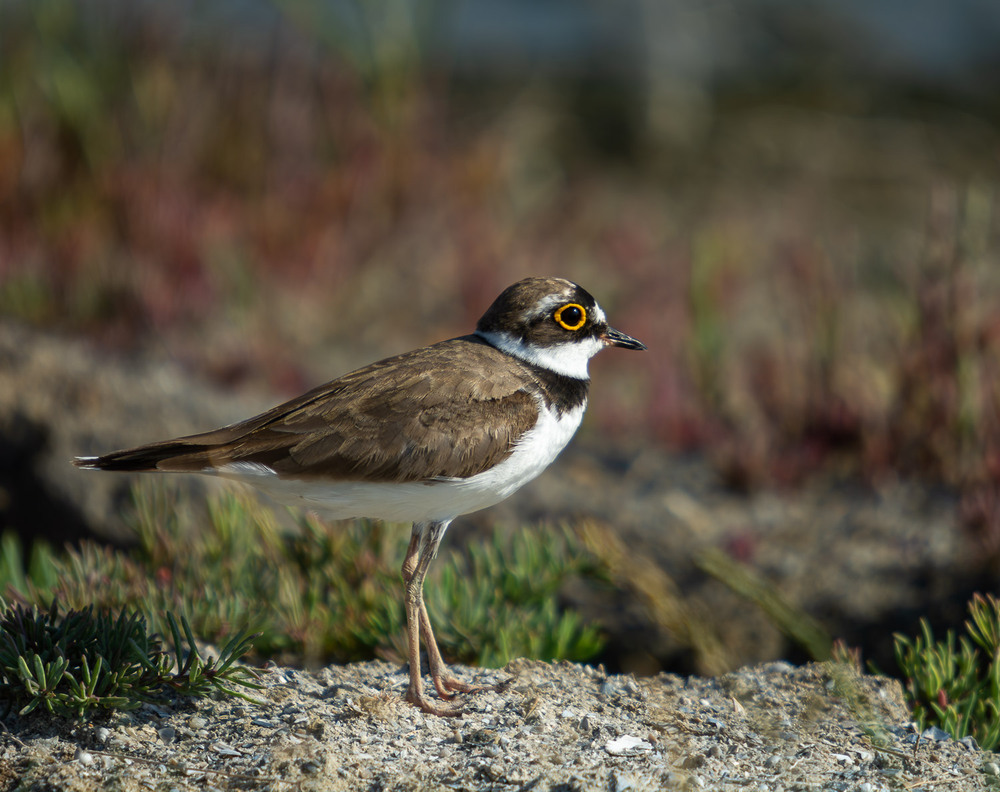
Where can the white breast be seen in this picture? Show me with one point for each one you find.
(441, 499)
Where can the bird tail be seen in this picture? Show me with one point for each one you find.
(167, 456)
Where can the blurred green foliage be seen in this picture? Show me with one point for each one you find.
(321, 592)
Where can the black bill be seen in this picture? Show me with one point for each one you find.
(617, 338)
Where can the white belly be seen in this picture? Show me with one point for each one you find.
(438, 500)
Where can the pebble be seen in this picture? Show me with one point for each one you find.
(935, 734)
(224, 749)
(625, 744)
(622, 783)
(581, 735)
(693, 761)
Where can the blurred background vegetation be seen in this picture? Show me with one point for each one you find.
(794, 204)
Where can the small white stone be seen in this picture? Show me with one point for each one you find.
(224, 749)
(83, 757)
(625, 743)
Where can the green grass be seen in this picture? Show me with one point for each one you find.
(318, 593)
(73, 662)
(510, 585)
(954, 683)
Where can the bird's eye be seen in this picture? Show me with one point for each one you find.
(571, 316)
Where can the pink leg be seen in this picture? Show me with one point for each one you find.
(419, 554)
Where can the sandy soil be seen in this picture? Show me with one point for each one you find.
(552, 727)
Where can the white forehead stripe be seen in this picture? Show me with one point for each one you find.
(553, 301)
(548, 304)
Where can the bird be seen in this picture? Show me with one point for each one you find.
(422, 437)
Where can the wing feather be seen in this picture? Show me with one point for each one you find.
(415, 417)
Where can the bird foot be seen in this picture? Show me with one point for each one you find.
(419, 700)
(448, 686)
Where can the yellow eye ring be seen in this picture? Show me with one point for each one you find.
(576, 316)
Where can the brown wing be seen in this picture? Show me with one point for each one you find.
(414, 417)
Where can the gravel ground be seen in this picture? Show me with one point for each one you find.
(550, 727)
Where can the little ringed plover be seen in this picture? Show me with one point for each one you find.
(422, 437)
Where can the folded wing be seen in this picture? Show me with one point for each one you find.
(392, 421)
